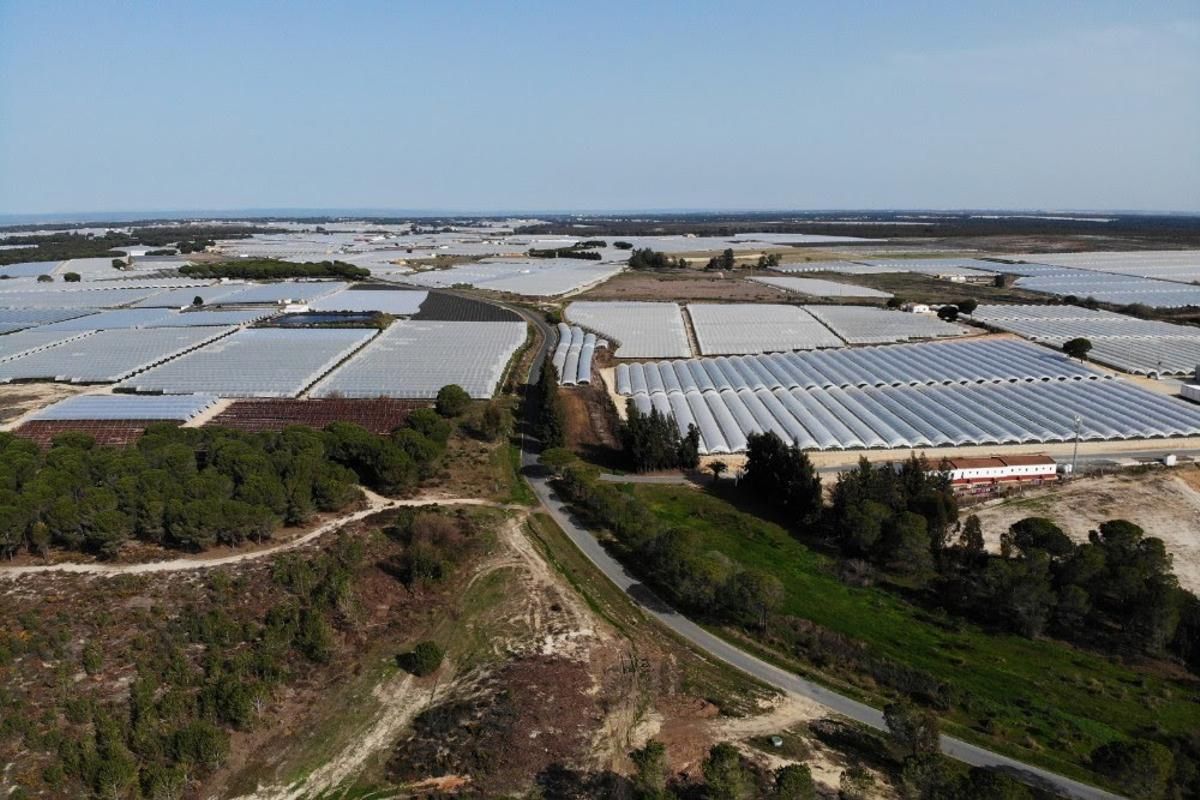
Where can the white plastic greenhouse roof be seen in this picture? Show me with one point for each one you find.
(1171, 265)
(22, 342)
(71, 298)
(644, 330)
(972, 361)
(739, 328)
(869, 325)
(572, 356)
(106, 356)
(256, 362)
(926, 416)
(116, 318)
(414, 359)
(816, 287)
(27, 269)
(963, 267)
(298, 291)
(399, 302)
(127, 406)
(19, 318)
(537, 277)
(1138, 346)
(182, 298)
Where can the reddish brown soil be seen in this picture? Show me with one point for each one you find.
(379, 415)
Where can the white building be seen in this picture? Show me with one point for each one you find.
(1001, 469)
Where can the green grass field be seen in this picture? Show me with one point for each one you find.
(1041, 700)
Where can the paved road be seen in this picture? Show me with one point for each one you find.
(755, 667)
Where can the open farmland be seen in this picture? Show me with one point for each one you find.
(681, 286)
(377, 415)
(105, 432)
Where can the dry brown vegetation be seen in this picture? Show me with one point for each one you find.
(1164, 503)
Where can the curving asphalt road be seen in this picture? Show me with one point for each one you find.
(755, 667)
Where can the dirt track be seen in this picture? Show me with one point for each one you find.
(375, 504)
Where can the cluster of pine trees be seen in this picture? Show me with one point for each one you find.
(652, 441)
(193, 488)
(648, 258)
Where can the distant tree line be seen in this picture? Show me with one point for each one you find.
(271, 269)
(566, 252)
(62, 246)
(192, 488)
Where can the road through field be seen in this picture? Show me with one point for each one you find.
(755, 667)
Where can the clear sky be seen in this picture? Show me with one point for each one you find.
(108, 106)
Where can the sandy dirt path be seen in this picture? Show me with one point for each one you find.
(375, 504)
(547, 618)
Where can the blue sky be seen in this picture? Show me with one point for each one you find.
(573, 106)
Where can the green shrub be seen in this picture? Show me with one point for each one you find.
(423, 659)
(452, 400)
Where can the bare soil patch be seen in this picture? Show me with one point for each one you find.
(19, 399)
(592, 423)
(1164, 503)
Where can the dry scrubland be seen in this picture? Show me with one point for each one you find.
(1165, 504)
(545, 665)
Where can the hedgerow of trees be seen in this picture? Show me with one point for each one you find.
(549, 417)
(270, 269)
(63, 246)
(192, 488)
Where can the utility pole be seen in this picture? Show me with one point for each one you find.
(1075, 451)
